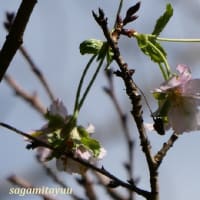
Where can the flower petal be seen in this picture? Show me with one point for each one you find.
(185, 116)
(83, 153)
(177, 80)
(102, 153)
(192, 89)
(58, 108)
(70, 166)
(91, 128)
(185, 74)
(43, 153)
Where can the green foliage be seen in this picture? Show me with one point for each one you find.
(82, 131)
(98, 48)
(150, 47)
(54, 121)
(163, 20)
(91, 46)
(92, 144)
(55, 138)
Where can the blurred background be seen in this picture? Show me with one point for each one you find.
(52, 38)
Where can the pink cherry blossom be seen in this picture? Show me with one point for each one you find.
(74, 146)
(67, 164)
(182, 96)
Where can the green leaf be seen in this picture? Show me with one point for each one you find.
(97, 47)
(156, 57)
(82, 131)
(163, 20)
(91, 46)
(105, 51)
(55, 138)
(54, 121)
(150, 47)
(91, 144)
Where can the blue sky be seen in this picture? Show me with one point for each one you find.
(52, 38)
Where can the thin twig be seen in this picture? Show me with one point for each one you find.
(88, 186)
(111, 192)
(21, 182)
(38, 73)
(165, 148)
(15, 37)
(123, 119)
(102, 170)
(32, 99)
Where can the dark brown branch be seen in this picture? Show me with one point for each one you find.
(131, 88)
(16, 180)
(37, 72)
(101, 170)
(111, 192)
(32, 99)
(15, 37)
(135, 98)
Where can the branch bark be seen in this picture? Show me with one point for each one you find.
(131, 89)
(14, 38)
(37, 142)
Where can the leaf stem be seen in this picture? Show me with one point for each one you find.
(177, 39)
(167, 67)
(76, 106)
(90, 84)
(118, 11)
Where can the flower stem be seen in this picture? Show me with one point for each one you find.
(118, 11)
(177, 39)
(76, 106)
(90, 84)
(167, 67)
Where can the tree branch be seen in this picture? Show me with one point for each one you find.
(38, 73)
(33, 100)
(15, 37)
(123, 119)
(34, 68)
(165, 148)
(134, 96)
(88, 185)
(102, 170)
(111, 192)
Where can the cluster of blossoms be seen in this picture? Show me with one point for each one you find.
(63, 134)
(179, 101)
